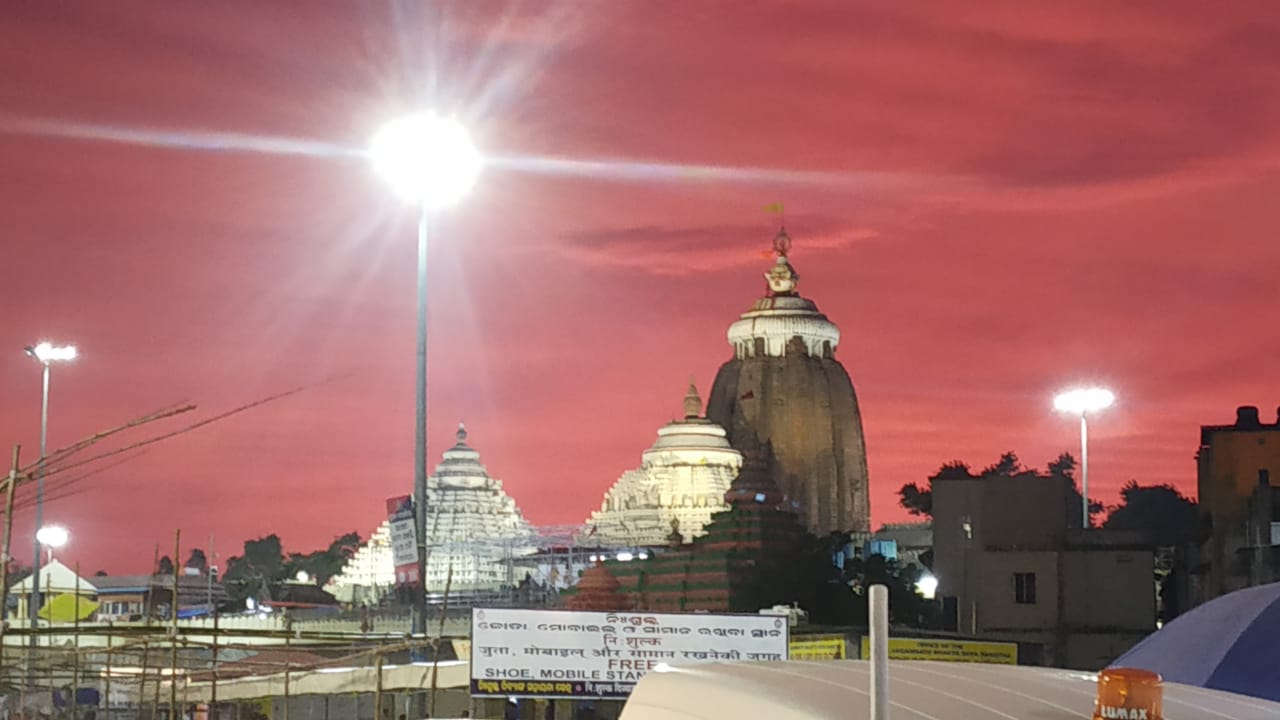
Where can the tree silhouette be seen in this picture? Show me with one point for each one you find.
(165, 567)
(1170, 521)
(198, 560)
(918, 500)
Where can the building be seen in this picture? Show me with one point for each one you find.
(1238, 482)
(123, 598)
(682, 478)
(737, 565)
(474, 530)
(1012, 567)
(784, 388)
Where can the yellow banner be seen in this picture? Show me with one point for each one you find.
(818, 648)
(994, 653)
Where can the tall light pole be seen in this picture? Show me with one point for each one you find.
(1083, 401)
(428, 160)
(46, 354)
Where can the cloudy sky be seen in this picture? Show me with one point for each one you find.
(992, 202)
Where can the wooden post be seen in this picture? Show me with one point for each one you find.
(75, 648)
(107, 681)
(287, 638)
(444, 614)
(377, 693)
(150, 606)
(173, 628)
(10, 485)
(213, 678)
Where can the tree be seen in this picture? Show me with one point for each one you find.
(253, 573)
(1170, 521)
(1161, 512)
(165, 567)
(324, 564)
(198, 560)
(918, 500)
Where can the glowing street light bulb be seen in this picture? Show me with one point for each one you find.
(1084, 400)
(426, 159)
(48, 352)
(52, 536)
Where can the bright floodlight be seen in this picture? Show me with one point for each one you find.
(52, 536)
(426, 158)
(1084, 400)
(928, 586)
(48, 352)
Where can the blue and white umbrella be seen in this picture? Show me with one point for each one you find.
(1231, 643)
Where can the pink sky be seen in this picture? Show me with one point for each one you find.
(993, 202)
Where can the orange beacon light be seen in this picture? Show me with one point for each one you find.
(1129, 694)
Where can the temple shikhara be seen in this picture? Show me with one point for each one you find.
(474, 529)
(682, 478)
(784, 389)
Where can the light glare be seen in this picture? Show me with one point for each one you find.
(426, 158)
(1084, 400)
(53, 536)
(928, 586)
(48, 352)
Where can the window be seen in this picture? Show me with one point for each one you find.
(1024, 588)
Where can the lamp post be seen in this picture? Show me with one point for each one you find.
(1081, 402)
(46, 354)
(428, 160)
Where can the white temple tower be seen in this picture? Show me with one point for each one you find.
(681, 479)
(473, 527)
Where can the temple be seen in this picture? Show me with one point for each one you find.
(784, 389)
(740, 564)
(474, 529)
(682, 478)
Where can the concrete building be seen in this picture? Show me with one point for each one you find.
(784, 389)
(682, 478)
(1013, 566)
(1238, 483)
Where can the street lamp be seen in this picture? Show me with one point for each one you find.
(428, 160)
(46, 354)
(52, 537)
(927, 586)
(1081, 402)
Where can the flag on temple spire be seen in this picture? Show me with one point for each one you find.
(774, 209)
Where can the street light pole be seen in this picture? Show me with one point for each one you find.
(33, 602)
(1082, 402)
(430, 161)
(44, 353)
(1084, 467)
(419, 625)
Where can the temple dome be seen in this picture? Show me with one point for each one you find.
(683, 477)
(783, 323)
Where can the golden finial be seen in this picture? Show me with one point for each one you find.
(692, 401)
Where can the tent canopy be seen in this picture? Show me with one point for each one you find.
(64, 608)
(950, 691)
(1231, 643)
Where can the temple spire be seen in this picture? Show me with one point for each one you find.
(462, 433)
(692, 402)
(782, 277)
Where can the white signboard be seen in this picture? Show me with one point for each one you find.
(570, 654)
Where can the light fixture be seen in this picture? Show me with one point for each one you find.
(426, 158)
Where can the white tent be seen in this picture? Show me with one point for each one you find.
(54, 578)
(917, 690)
(329, 681)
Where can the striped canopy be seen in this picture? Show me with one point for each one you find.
(1231, 643)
